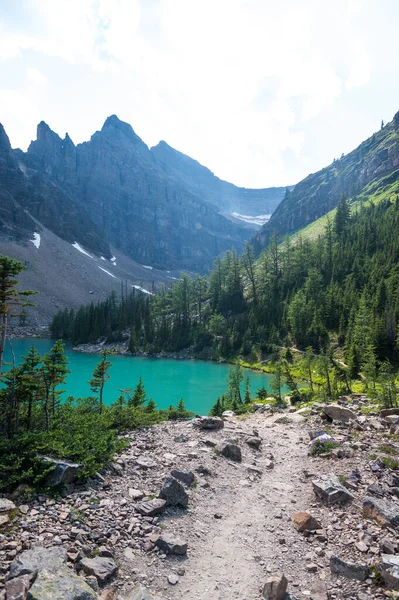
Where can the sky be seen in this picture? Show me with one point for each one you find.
(261, 92)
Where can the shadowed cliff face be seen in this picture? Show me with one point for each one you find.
(371, 168)
(141, 210)
(27, 194)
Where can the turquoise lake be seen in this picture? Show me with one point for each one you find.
(199, 383)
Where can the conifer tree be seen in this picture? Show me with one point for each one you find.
(139, 395)
(100, 376)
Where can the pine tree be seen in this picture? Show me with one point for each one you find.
(99, 377)
(247, 394)
(54, 372)
(139, 395)
(12, 301)
(342, 216)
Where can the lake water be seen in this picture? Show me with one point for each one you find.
(199, 383)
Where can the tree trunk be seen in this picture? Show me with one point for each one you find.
(3, 339)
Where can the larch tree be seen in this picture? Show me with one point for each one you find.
(99, 377)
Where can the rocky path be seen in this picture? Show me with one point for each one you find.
(223, 536)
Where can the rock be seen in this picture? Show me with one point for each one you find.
(92, 582)
(103, 568)
(315, 433)
(303, 521)
(4, 520)
(231, 451)
(30, 561)
(136, 494)
(145, 462)
(186, 477)
(389, 570)
(385, 412)
(375, 424)
(60, 583)
(151, 508)
(6, 505)
(261, 408)
(208, 423)
(392, 419)
(18, 587)
(384, 512)
(170, 545)
(228, 414)
(63, 473)
(347, 569)
(339, 413)
(275, 587)
(173, 578)
(387, 546)
(254, 442)
(174, 493)
(141, 593)
(329, 488)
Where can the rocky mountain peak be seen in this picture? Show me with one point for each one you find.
(113, 123)
(4, 140)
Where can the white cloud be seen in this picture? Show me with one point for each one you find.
(234, 83)
(35, 76)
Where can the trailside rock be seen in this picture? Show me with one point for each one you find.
(389, 570)
(275, 587)
(174, 493)
(141, 593)
(329, 488)
(171, 545)
(145, 462)
(385, 412)
(61, 583)
(186, 477)
(231, 451)
(17, 588)
(384, 512)
(339, 413)
(6, 505)
(30, 561)
(347, 569)
(254, 442)
(151, 508)
(303, 521)
(64, 471)
(103, 568)
(208, 422)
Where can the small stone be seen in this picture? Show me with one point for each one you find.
(170, 545)
(145, 462)
(18, 587)
(173, 578)
(254, 442)
(347, 569)
(102, 568)
(136, 494)
(6, 505)
(329, 488)
(384, 512)
(303, 521)
(275, 587)
(231, 451)
(174, 493)
(151, 508)
(208, 423)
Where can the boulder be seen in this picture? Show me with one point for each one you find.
(339, 413)
(30, 561)
(151, 508)
(347, 569)
(389, 570)
(102, 567)
(18, 587)
(392, 419)
(208, 423)
(303, 521)
(231, 451)
(261, 408)
(63, 473)
(329, 488)
(254, 441)
(384, 512)
(61, 583)
(174, 493)
(385, 412)
(170, 545)
(6, 505)
(141, 593)
(275, 587)
(186, 477)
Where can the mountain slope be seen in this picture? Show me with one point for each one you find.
(226, 197)
(140, 209)
(367, 171)
(26, 196)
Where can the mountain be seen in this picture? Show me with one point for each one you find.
(142, 210)
(226, 197)
(366, 173)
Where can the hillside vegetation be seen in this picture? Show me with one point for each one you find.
(368, 173)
